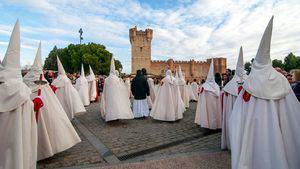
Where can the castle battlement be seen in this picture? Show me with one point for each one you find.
(141, 58)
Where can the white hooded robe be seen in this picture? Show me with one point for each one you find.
(264, 124)
(209, 111)
(82, 87)
(18, 132)
(67, 94)
(55, 131)
(115, 103)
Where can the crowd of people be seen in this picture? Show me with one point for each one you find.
(258, 113)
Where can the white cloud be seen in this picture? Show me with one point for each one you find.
(194, 29)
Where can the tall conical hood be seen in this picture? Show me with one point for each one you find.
(13, 92)
(210, 84)
(232, 86)
(35, 72)
(11, 59)
(82, 71)
(239, 70)
(91, 76)
(263, 54)
(112, 66)
(91, 71)
(37, 64)
(60, 67)
(210, 75)
(264, 81)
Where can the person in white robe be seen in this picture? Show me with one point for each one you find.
(264, 123)
(92, 83)
(115, 103)
(229, 95)
(179, 104)
(183, 89)
(209, 110)
(82, 87)
(191, 93)
(165, 106)
(128, 86)
(18, 129)
(152, 89)
(195, 88)
(66, 93)
(55, 131)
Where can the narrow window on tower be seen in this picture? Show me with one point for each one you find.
(141, 48)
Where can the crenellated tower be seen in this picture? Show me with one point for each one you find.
(140, 48)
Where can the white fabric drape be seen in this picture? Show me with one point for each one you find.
(55, 131)
(68, 96)
(140, 108)
(208, 112)
(264, 133)
(228, 102)
(18, 143)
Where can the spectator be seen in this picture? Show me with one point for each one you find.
(140, 90)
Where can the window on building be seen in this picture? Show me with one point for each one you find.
(141, 48)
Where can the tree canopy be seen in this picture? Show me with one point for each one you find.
(290, 62)
(74, 55)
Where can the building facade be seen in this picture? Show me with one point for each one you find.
(141, 58)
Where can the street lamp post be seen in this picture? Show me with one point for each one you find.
(80, 35)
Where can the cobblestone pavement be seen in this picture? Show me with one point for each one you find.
(80, 155)
(135, 140)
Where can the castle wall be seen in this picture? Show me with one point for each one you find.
(141, 58)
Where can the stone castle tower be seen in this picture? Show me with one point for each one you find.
(140, 48)
(141, 58)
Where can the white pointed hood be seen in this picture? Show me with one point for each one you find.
(210, 84)
(60, 67)
(181, 80)
(11, 61)
(13, 92)
(35, 71)
(82, 74)
(264, 81)
(232, 86)
(112, 67)
(91, 76)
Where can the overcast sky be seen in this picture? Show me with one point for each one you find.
(183, 29)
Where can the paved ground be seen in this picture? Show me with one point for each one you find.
(132, 140)
(220, 160)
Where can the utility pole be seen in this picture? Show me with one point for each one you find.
(80, 35)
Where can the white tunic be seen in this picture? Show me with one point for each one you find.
(115, 103)
(68, 96)
(191, 93)
(92, 83)
(18, 138)
(195, 87)
(82, 87)
(228, 102)
(209, 111)
(55, 131)
(265, 133)
(165, 107)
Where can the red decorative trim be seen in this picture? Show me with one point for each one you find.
(246, 96)
(239, 89)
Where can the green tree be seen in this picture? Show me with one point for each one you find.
(291, 62)
(74, 55)
(277, 63)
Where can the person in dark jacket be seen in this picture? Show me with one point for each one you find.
(140, 91)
